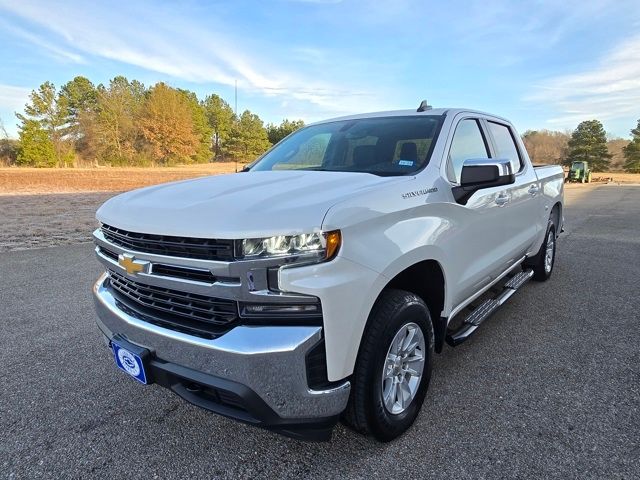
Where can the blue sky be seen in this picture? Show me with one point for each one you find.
(542, 64)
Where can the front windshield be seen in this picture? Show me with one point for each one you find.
(577, 165)
(381, 146)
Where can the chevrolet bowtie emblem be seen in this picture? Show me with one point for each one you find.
(130, 264)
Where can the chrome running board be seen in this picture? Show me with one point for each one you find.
(486, 308)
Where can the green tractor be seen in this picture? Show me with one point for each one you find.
(579, 172)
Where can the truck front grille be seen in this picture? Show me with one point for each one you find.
(186, 247)
(182, 311)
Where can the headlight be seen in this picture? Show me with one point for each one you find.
(317, 245)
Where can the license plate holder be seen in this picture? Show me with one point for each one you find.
(130, 362)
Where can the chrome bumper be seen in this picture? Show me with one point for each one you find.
(269, 360)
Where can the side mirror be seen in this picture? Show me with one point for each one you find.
(482, 173)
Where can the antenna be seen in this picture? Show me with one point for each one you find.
(236, 113)
(424, 106)
(236, 100)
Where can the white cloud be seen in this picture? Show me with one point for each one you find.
(611, 90)
(12, 97)
(162, 40)
(56, 52)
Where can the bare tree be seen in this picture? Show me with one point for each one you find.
(546, 147)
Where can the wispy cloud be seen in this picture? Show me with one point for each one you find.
(610, 90)
(313, 59)
(162, 41)
(53, 50)
(12, 97)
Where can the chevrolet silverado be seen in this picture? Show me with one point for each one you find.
(318, 284)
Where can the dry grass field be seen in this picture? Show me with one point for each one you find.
(47, 220)
(48, 207)
(619, 177)
(20, 181)
(16, 181)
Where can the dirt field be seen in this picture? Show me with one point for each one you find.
(36, 221)
(104, 179)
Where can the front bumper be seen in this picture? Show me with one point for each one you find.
(263, 367)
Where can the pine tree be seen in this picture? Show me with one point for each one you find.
(632, 152)
(81, 100)
(201, 127)
(278, 132)
(49, 110)
(589, 143)
(220, 117)
(248, 138)
(36, 148)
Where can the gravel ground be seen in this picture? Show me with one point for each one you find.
(548, 388)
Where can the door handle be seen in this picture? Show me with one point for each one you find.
(533, 190)
(502, 199)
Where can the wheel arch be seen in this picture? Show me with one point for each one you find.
(426, 279)
(556, 216)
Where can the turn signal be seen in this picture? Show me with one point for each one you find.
(334, 239)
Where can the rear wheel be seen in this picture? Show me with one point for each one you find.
(393, 368)
(542, 264)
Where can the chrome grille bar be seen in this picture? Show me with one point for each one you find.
(200, 248)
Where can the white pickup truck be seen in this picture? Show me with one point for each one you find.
(318, 283)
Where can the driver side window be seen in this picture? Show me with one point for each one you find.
(468, 142)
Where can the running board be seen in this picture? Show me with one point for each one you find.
(486, 308)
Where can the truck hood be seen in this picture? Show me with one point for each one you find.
(244, 205)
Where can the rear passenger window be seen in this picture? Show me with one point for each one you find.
(505, 145)
(467, 143)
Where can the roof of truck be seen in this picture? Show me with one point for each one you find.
(413, 112)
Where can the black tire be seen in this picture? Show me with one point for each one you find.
(538, 263)
(366, 411)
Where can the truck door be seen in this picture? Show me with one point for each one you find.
(522, 211)
(479, 236)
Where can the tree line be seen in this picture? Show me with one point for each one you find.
(127, 123)
(588, 142)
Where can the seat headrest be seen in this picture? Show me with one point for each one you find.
(409, 151)
(364, 155)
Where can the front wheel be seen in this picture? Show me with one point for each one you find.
(393, 368)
